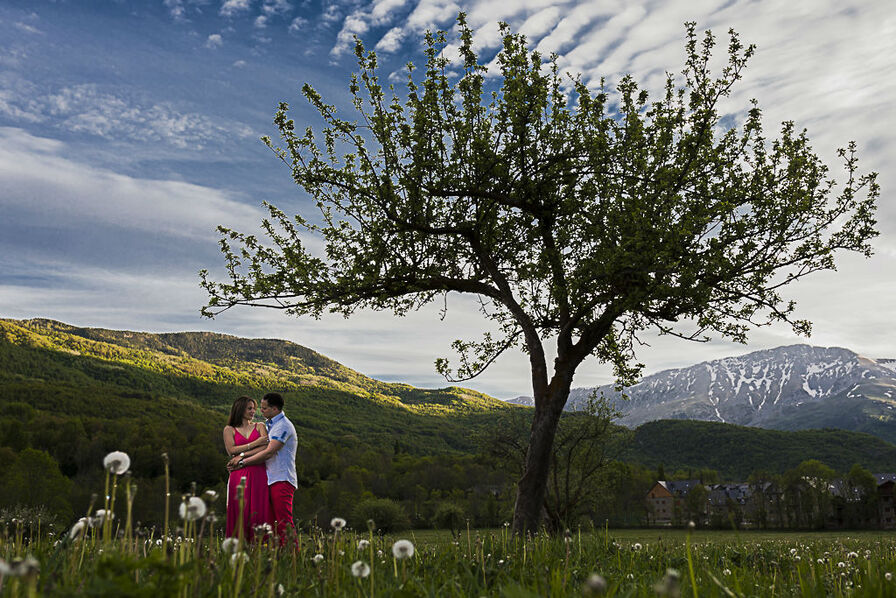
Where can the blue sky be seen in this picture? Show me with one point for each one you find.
(129, 130)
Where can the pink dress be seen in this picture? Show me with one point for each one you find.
(255, 496)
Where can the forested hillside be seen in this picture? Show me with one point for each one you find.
(70, 395)
(737, 451)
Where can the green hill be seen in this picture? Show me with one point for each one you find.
(70, 395)
(206, 371)
(737, 451)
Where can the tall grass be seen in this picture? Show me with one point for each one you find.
(112, 558)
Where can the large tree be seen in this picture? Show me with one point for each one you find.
(580, 217)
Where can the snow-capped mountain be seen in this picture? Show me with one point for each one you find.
(765, 389)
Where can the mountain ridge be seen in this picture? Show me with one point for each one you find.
(770, 388)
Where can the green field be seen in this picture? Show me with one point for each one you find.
(635, 562)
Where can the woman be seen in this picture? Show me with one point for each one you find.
(243, 437)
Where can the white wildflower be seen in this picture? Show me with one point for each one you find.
(192, 509)
(236, 557)
(888, 576)
(636, 546)
(280, 589)
(363, 544)
(360, 569)
(726, 572)
(230, 545)
(595, 585)
(99, 518)
(670, 584)
(317, 559)
(212, 495)
(78, 528)
(337, 523)
(117, 462)
(403, 549)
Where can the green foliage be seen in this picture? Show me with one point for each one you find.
(585, 443)
(737, 451)
(578, 219)
(491, 563)
(448, 515)
(387, 515)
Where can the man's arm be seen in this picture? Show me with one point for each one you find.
(261, 457)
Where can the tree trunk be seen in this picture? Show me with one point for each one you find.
(530, 494)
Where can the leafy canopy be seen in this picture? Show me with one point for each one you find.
(575, 214)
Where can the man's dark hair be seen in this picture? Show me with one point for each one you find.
(274, 399)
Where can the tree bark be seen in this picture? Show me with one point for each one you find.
(530, 494)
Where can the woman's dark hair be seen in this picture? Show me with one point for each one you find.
(237, 411)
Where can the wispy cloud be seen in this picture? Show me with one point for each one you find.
(214, 41)
(276, 7)
(87, 109)
(232, 8)
(297, 24)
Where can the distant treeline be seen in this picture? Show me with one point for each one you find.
(368, 449)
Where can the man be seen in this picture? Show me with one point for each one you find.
(280, 462)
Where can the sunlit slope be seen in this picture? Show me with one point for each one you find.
(324, 398)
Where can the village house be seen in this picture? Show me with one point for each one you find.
(745, 505)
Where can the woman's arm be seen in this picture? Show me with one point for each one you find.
(250, 448)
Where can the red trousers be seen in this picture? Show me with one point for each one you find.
(281, 511)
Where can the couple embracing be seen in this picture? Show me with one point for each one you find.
(264, 455)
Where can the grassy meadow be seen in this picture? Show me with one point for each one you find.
(108, 557)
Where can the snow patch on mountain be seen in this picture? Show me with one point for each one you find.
(748, 390)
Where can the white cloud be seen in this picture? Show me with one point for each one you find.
(175, 9)
(30, 29)
(232, 8)
(40, 179)
(276, 7)
(214, 41)
(297, 24)
(239, 64)
(391, 41)
(261, 22)
(87, 109)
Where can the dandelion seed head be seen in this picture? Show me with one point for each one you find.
(230, 545)
(337, 523)
(595, 585)
(403, 549)
(78, 528)
(192, 509)
(237, 557)
(116, 462)
(360, 569)
(636, 546)
(317, 559)
(363, 544)
(101, 516)
(888, 576)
